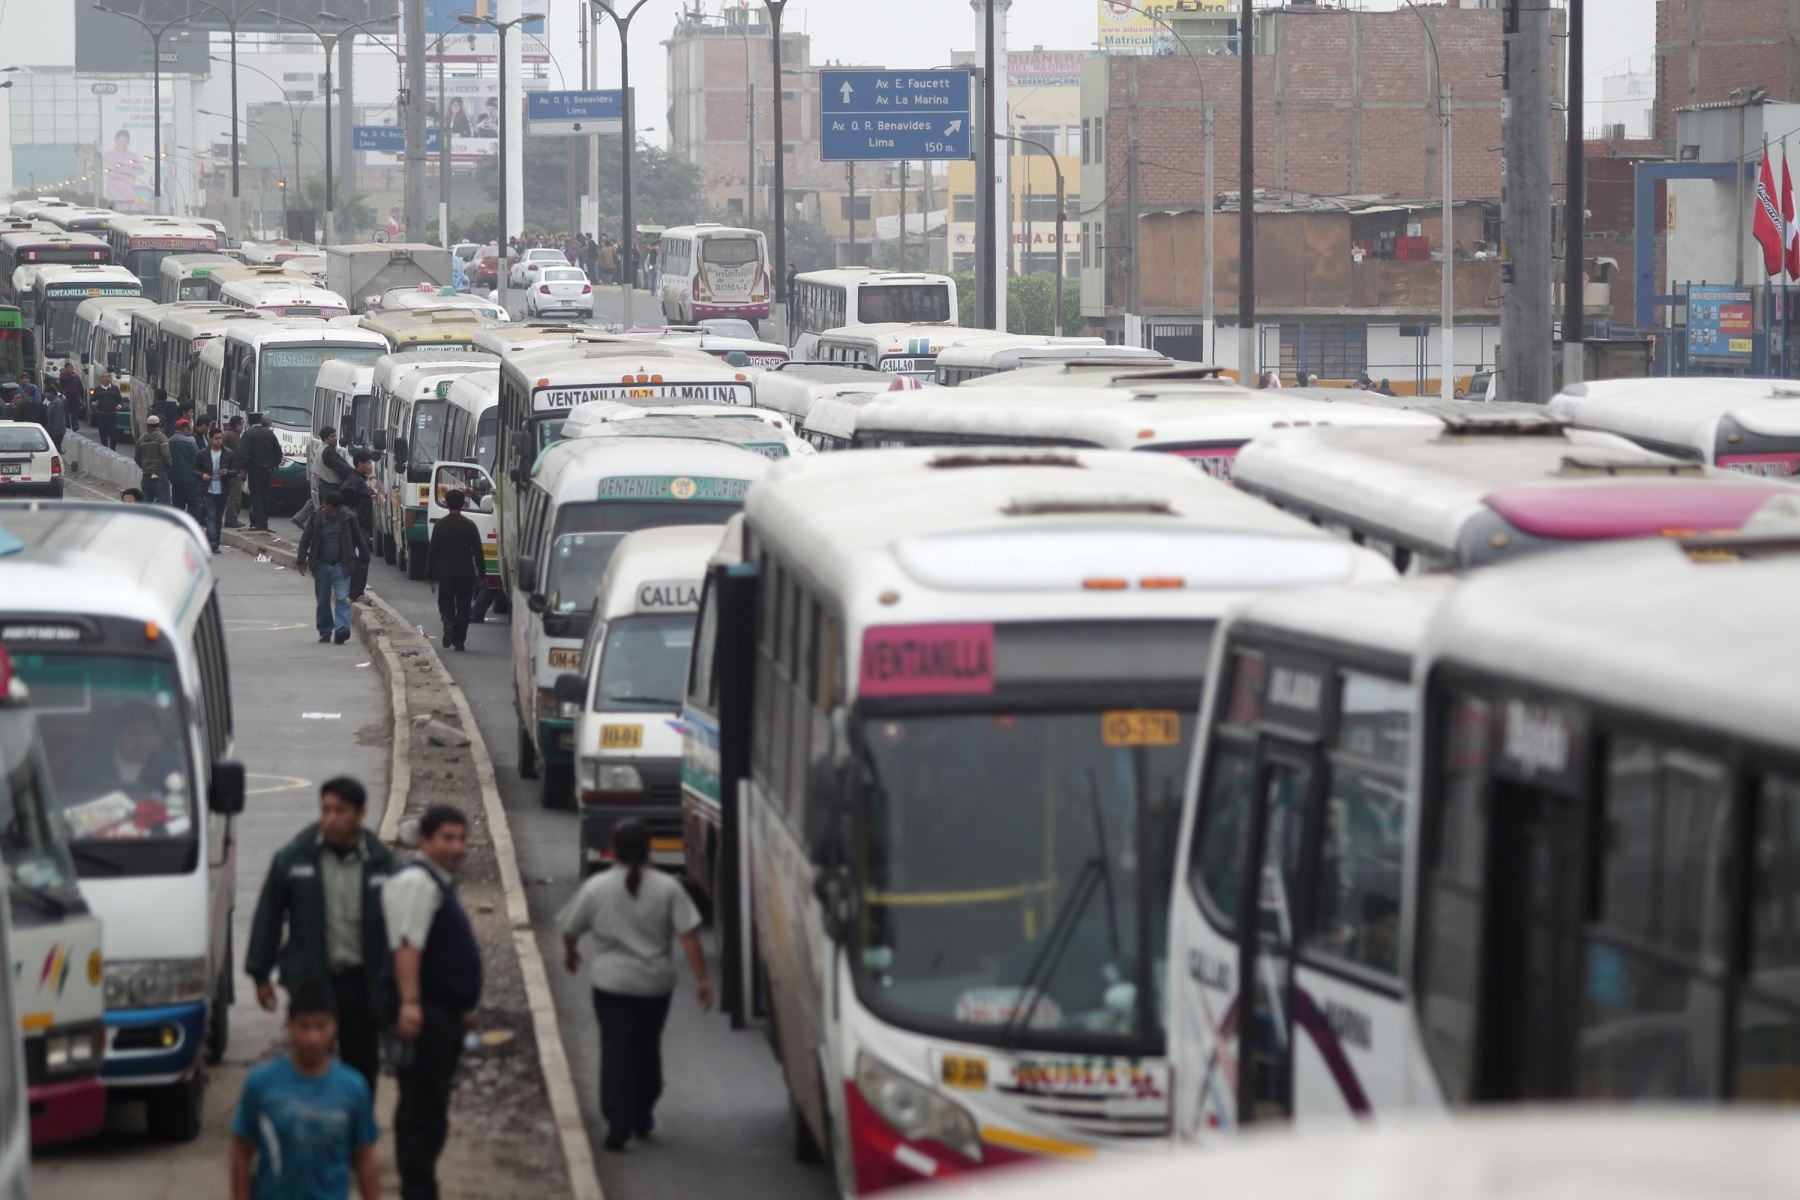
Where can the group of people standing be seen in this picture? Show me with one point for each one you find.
(63, 403)
(202, 469)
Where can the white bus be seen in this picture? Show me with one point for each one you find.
(283, 298)
(898, 348)
(183, 276)
(1608, 819)
(72, 218)
(102, 342)
(56, 293)
(473, 432)
(581, 499)
(724, 423)
(167, 342)
(735, 350)
(110, 615)
(54, 959)
(1747, 425)
(15, 1108)
(440, 328)
(1002, 352)
(140, 243)
(1295, 811)
(344, 400)
(1465, 493)
(628, 694)
(1206, 422)
(710, 270)
(794, 387)
(39, 248)
(218, 277)
(834, 299)
(411, 412)
(427, 296)
(1108, 371)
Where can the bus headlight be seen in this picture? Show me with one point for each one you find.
(916, 1112)
(155, 982)
(74, 1049)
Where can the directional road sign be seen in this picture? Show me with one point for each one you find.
(569, 114)
(390, 139)
(881, 116)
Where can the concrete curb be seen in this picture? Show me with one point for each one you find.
(400, 752)
(87, 458)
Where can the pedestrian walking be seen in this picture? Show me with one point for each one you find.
(152, 455)
(608, 258)
(329, 548)
(456, 562)
(326, 469)
(318, 921)
(56, 418)
(359, 498)
(108, 404)
(262, 458)
(218, 466)
(184, 479)
(793, 274)
(435, 986)
(633, 919)
(74, 394)
(234, 493)
(305, 1122)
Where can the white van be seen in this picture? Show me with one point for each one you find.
(411, 393)
(581, 500)
(628, 736)
(110, 614)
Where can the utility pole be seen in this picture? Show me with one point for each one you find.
(987, 236)
(1246, 196)
(1575, 202)
(1133, 289)
(850, 171)
(903, 165)
(1525, 346)
(415, 121)
(780, 215)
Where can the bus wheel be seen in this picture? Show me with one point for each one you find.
(558, 787)
(528, 764)
(173, 1113)
(387, 549)
(415, 563)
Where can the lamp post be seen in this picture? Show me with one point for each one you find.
(501, 28)
(405, 99)
(326, 41)
(750, 138)
(627, 148)
(294, 108)
(156, 36)
(1061, 213)
(1447, 285)
(273, 148)
(775, 8)
(231, 24)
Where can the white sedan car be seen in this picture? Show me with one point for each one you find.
(526, 267)
(560, 290)
(29, 463)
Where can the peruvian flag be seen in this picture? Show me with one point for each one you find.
(1792, 250)
(1767, 227)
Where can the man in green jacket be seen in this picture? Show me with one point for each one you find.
(324, 890)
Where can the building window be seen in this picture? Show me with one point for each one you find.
(1099, 139)
(1328, 351)
(962, 264)
(853, 208)
(734, 208)
(1086, 140)
(962, 208)
(1038, 208)
(1075, 141)
(1043, 135)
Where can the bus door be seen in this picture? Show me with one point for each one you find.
(477, 487)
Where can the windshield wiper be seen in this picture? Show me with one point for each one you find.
(659, 701)
(42, 897)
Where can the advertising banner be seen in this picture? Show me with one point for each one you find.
(1721, 322)
(1044, 68)
(1128, 28)
(474, 118)
(130, 124)
(476, 43)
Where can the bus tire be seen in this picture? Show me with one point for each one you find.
(528, 764)
(172, 1113)
(557, 787)
(387, 548)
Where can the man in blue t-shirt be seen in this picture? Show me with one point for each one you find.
(305, 1121)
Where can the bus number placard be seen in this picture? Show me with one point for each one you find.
(1141, 727)
(959, 1071)
(621, 737)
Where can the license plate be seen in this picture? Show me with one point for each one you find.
(959, 1071)
(621, 737)
(1141, 727)
(12, 468)
(565, 660)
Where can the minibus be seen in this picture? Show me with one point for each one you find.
(344, 400)
(899, 349)
(402, 299)
(1002, 352)
(101, 343)
(1747, 425)
(218, 278)
(435, 329)
(167, 342)
(411, 408)
(57, 291)
(140, 242)
(710, 270)
(794, 387)
(845, 296)
(283, 298)
(183, 276)
(704, 424)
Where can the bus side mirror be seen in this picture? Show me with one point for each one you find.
(528, 572)
(571, 688)
(225, 790)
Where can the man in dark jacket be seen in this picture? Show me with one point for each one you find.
(107, 402)
(56, 418)
(184, 480)
(29, 400)
(152, 453)
(319, 921)
(74, 393)
(165, 408)
(359, 498)
(262, 458)
(217, 468)
(234, 495)
(456, 562)
(329, 548)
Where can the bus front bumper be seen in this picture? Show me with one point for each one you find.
(67, 1110)
(657, 805)
(148, 1047)
(556, 740)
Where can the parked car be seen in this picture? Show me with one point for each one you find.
(29, 463)
(526, 268)
(487, 267)
(560, 290)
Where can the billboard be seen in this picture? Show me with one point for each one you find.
(128, 178)
(440, 16)
(1721, 322)
(109, 45)
(1128, 27)
(474, 119)
(476, 43)
(1044, 68)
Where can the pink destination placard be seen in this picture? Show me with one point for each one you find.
(928, 660)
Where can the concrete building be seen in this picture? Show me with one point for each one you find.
(1705, 49)
(1627, 105)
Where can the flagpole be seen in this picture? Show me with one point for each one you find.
(1780, 274)
(1779, 368)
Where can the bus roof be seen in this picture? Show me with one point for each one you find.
(21, 240)
(1106, 370)
(1683, 413)
(304, 289)
(76, 558)
(233, 272)
(835, 416)
(448, 326)
(475, 392)
(609, 362)
(416, 376)
(342, 375)
(404, 299)
(1426, 484)
(572, 470)
(728, 424)
(864, 276)
(588, 417)
(669, 554)
(1389, 617)
(710, 229)
(194, 318)
(196, 264)
(1649, 627)
(1009, 352)
(111, 313)
(795, 387)
(512, 337)
(305, 331)
(152, 225)
(718, 345)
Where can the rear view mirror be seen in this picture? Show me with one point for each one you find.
(225, 790)
(528, 572)
(380, 439)
(538, 603)
(571, 688)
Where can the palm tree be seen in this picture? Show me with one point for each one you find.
(353, 209)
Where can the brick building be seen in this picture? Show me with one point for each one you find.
(1707, 48)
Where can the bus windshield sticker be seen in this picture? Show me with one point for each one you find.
(999, 1006)
(928, 660)
(669, 595)
(673, 487)
(1776, 465)
(1216, 461)
(963, 1071)
(1543, 744)
(1141, 727)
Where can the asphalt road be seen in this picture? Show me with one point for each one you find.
(722, 1123)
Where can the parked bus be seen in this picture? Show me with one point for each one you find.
(1747, 425)
(709, 270)
(219, 278)
(581, 499)
(1607, 792)
(434, 329)
(344, 400)
(58, 291)
(110, 615)
(54, 958)
(73, 219)
(471, 448)
(283, 298)
(1002, 352)
(34, 249)
(1460, 494)
(628, 694)
(1296, 812)
(173, 337)
(411, 412)
(976, 677)
(183, 276)
(845, 296)
(140, 243)
(15, 1107)
(899, 349)
(101, 343)
(472, 433)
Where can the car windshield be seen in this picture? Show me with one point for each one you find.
(587, 534)
(288, 373)
(116, 741)
(643, 662)
(27, 439)
(906, 303)
(33, 840)
(1015, 869)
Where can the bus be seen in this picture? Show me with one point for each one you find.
(73, 219)
(411, 408)
(1308, 727)
(1109, 371)
(899, 349)
(402, 299)
(15, 352)
(140, 243)
(217, 278)
(709, 270)
(628, 693)
(736, 350)
(700, 423)
(273, 253)
(110, 614)
(472, 429)
(40, 248)
(581, 499)
(59, 290)
(1746, 425)
(1208, 422)
(174, 336)
(1607, 790)
(976, 677)
(54, 959)
(1465, 493)
(593, 418)
(101, 343)
(283, 298)
(845, 296)
(831, 420)
(434, 329)
(1003, 352)
(501, 338)
(183, 276)
(344, 400)
(794, 387)
(15, 1107)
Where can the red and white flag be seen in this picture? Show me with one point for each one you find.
(1767, 222)
(1791, 252)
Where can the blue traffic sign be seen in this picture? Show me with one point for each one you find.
(881, 116)
(388, 139)
(574, 112)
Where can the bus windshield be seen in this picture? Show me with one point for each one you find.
(643, 663)
(32, 843)
(1016, 870)
(587, 534)
(58, 314)
(487, 440)
(427, 444)
(192, 289)
(907, 303)
(729, 252)
(284, 390)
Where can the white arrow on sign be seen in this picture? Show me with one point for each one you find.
(847, 91)
(955, 127)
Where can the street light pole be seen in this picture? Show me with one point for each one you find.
(628, 147)
(231, 23)
(1061, 214)
(156, 35)
(775, 9)
(326, 42)
(504, 268)
(1446, 285)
